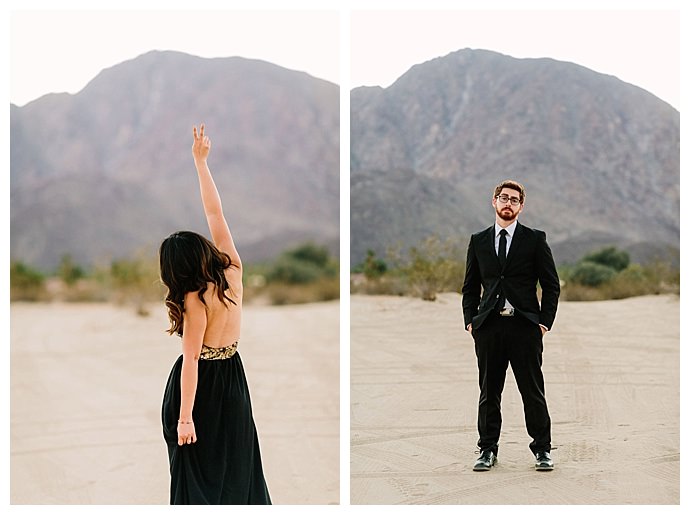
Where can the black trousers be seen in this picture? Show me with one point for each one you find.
(518, 341)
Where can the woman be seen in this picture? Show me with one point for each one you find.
(207, 416)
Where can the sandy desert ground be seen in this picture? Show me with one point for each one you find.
(86, 387)
(612, 384)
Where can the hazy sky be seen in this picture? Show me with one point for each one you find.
(638, 46)
(56, 51)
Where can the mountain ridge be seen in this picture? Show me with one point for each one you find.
(428, 150)
(118, 152)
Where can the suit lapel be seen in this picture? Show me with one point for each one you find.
(489, 244)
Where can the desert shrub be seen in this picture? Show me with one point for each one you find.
(306, 273)
(294, 271)
(126, 273)
(302, 265)
(435, 266)
(638, 280)
(134, 281)
(609, 256)
(26, 283)
(665, 276)
(310, 253)
(425, 270)
(73, 284)
(608, 274)
(631, 282)
(373, 267)
(589, 273)
(69, 271)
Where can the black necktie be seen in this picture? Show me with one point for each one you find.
(502, 248)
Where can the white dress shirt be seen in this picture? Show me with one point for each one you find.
(509, 238)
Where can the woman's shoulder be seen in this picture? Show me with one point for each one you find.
(202, 296)
(211, 294)
(193, 301)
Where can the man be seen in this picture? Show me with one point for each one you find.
(507, 321)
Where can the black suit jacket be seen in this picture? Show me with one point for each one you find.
(529, 260)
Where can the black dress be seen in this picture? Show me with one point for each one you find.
(224, 465)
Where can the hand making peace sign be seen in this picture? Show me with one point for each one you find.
(202, 145)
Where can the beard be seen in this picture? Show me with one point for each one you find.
(506, 214)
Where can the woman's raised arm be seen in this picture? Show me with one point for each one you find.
(213, 208)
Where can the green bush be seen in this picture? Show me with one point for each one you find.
(69, 271)
(294, 271)
(305, 273)
(373, 267)
(26, 283)
(310, 253)
(590, 273)
(305, 264)
(608, 274)
(611, 257)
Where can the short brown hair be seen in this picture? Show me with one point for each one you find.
(513, 185)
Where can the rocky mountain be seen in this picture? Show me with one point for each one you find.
(108, 172)
(600, 158)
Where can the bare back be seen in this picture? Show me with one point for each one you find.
(224, 321)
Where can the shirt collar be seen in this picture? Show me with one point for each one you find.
(510, 229)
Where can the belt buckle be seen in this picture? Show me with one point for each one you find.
(507, 312)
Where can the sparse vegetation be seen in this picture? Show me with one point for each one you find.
(373, 267)
(306, 273)
(26, 283)
(433, 267)
(609, 257)
(125, 282)
(135, 281)
(589, 273)
(605, 282)
(69, 271)
(436, 266)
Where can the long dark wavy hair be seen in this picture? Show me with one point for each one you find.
(188, 262)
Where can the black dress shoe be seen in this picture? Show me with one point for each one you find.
(544, 461)
(486, 460)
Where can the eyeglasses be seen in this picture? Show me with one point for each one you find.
(505, 199)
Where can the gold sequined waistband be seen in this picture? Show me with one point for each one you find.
(218, 352)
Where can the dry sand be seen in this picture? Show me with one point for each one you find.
(86, 387)
(612, 385)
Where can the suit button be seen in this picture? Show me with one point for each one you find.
(503, 277)
(497, 296)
